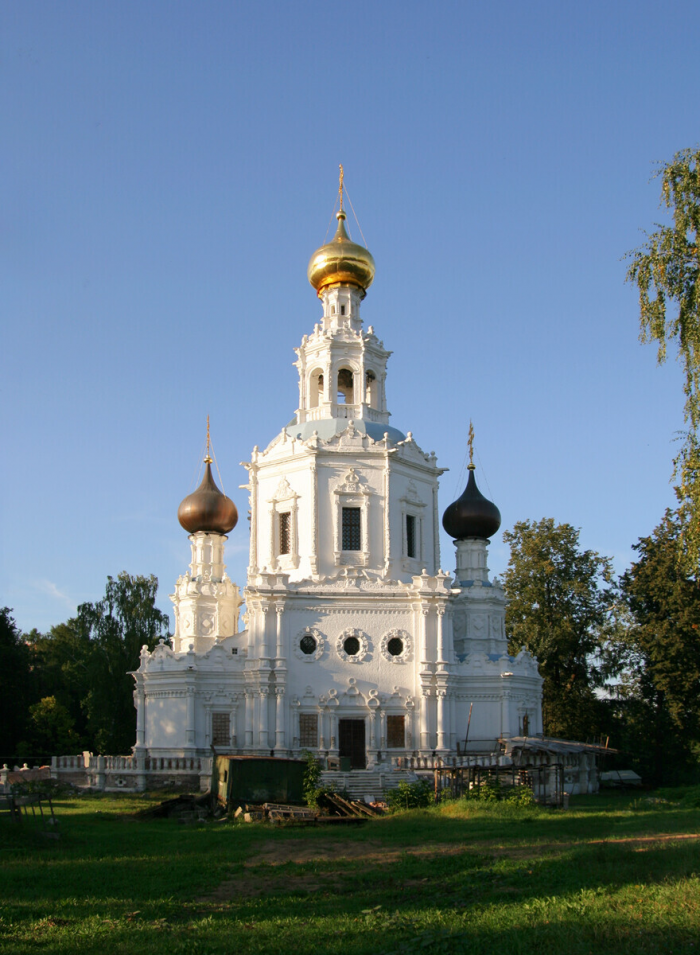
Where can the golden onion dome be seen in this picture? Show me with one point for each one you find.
(341, 262)
(207, 509)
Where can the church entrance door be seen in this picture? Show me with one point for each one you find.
(351, 737)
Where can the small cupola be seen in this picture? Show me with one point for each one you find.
(472, 515)
(207, 509)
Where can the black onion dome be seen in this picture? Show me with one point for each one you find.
(471, 515)
(207, 509)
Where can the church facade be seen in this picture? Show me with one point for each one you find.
(355, 644)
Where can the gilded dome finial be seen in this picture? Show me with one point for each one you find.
(341, 261)
(207, 456)
(470, 442)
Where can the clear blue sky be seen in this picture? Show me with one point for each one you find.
(167, 169)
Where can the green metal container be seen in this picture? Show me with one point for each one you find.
(258, 779)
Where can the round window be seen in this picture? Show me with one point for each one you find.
(308, 644)
(395, 646)
(351, 646)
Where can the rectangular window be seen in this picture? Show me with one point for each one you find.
(285, 537)
(410, 535)
(308, 729)
(352, 536)
(395, 734)
(220, 729)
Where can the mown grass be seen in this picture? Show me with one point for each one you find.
(462, 877)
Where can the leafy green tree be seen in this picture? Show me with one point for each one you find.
(561, 603)
(51, 729)
(15, 684)
(660, 685)
(61, 669)
(117, 627)
(666, 270)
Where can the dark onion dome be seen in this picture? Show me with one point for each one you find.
(341, 262)
(471, 515)
(207, 509)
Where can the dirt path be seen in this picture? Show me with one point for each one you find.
(260, 877)
(301, 851)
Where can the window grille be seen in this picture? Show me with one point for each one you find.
(395, 733)
(308, 729)
(220, 729)
(410, 535)
(352, 535)
(285, 537)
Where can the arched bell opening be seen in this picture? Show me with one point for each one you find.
(346, 387)
(315, 388)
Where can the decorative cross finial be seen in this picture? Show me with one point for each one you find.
(207, 459)
(470, 442)
(340, 187)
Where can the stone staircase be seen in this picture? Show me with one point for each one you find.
(363, 782)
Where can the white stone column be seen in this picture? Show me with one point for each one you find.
(249, 717)
(424, 724)
(279, 728)
(441, 701)
(506, 729)
(382, 736)
(333, 718)
(441, 661)
(322, 736)
(140, 702)
(279, 608)
(424, 634)
(190, 717)
(264, 736)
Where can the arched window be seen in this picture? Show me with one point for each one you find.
(315, 388)
(345, 387)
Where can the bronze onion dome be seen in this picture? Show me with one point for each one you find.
(207, 509)
(471, 515)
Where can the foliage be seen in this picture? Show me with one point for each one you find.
(660, 683)
(51, 728)
(61, 669)
(561, 602)
(665, 270)
(118, 626)
(416, 795)
(15, 676)
(463, 877)
(312, 779)
(491, 791)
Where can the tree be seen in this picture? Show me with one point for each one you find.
(666, 270)
(560, 608)
(15, 681)
(661, 677)
(118, 626)
(60, 669)
(51, 729)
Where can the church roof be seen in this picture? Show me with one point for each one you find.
(329, 427)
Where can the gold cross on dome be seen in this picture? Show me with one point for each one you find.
(207, 459)
(340, 186)
(470, 442)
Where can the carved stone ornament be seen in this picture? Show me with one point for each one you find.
(302, 643)
(351, 635)
(389, 643)
(352, 483)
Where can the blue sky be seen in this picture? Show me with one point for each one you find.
(167, 170)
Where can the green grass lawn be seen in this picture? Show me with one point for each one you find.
(610, 875)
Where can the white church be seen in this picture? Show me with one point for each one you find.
(355, 645)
